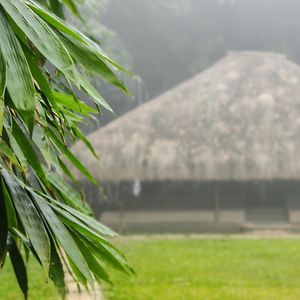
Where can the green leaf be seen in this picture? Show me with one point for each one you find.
(111, 257)
(10, 210)
(89, 221)
(72, 6)
(56, 272)
(27, 149)
(77, 273)
(19, 267)
(56, 7)
(96, 96)
(64, 149)
(63, 27)
(71, 118)
(77, 132)
(43, 61)
(8, 152)
(2, 89)
(55, 21)
(94, 265)
(30, 219)
(104, 248)
(19, 80)
(69, 102)
(50, 45)
(69, 194)
(62, 235)
(15, 147)
(38, 74)
(40, 140)
(41, 35)
(2, 75)
(85, 226)
(92, 62)
(2, 108)
(77, 224)
(18, 234)
(3, 229)
(66, 170)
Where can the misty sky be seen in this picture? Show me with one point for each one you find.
(171, 40)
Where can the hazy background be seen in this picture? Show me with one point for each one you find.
(169, 41)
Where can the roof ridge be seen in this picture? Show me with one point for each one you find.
(255, 53)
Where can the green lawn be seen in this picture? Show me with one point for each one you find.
(210, 270)
(191, 269)
(38, 289)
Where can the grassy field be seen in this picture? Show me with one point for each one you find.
(228, 269)
(38, 290)
(210, 270)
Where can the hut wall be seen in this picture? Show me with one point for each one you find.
(233, 216)
(177, 207)
(168, 216)
(190, 206)
(232, 204)
(167, 222)
(294, 209)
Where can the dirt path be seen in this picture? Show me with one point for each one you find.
(75, 294)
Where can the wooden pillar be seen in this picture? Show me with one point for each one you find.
(216, 203)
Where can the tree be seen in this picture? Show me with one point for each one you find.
(43, 62)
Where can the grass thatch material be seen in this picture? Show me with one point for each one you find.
(238, 120)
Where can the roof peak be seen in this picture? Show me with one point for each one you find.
(256, 53)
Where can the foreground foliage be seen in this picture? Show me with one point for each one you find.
(226, 269)
(43, 64)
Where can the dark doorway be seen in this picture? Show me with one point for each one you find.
(267, 203)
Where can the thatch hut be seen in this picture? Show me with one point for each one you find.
(220, 148)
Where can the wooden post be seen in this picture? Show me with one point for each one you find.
(216, 203)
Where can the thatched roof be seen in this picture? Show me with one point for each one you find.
(238, 120)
